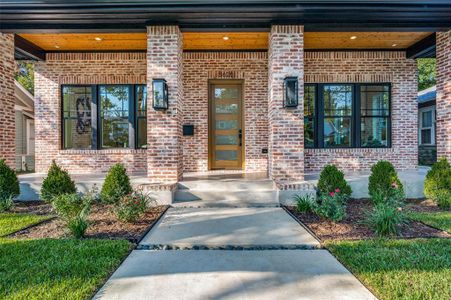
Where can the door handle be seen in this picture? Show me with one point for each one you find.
(240, 136)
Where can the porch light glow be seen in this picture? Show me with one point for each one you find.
(160, 94)
(57, 47)
(98, 38)
(394, 45)
(290, 87)
(353, 37)
(225, 38)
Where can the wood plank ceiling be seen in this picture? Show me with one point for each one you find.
(224, 40)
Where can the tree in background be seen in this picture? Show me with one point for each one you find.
(426, 73)
(25, 75)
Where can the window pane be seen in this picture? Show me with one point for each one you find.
(226, 93)
(227, 108)
(226, 124)
(337, 100)
(374, 100)
(309, 100)
(114, 101)
(114, 104)
(426, 136)
(374, 132)
(226, 155)
(426, 119)
(142, 133)
(115, 133)
(309, 137)
(226, 139)
(141, 100)
(77, 117)
(337, 132)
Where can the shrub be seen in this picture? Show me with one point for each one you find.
(116, 185)
(394, 197)
(74, 210)
(331, 206)
(443, 199)
(303, 203)
(384, 179)
(9, 184)
(438, 181)
(385, 219)
(57, 182)
(331, 179)
(131, 207)
(6, 203)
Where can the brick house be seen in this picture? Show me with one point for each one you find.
(279, 88)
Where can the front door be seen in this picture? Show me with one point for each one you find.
(226, 137)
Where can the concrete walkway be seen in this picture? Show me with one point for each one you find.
(269, 268)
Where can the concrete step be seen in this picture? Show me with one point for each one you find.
(214, 198)
(255, 185)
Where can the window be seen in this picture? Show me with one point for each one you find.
(347, 115)
(104, 116)
(77, 123)
(427, 126)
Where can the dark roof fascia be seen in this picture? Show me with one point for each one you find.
(424, 48)
(26, 50)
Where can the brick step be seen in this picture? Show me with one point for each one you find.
(228, 185)
(214, 198)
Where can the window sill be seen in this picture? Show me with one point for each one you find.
(101, 151)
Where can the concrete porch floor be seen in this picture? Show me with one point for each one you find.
(228, 187)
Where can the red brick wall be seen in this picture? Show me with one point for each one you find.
(361, 66)
(286, 135)
(164, 131)
(198, 68)
(444, 95)
(81, 68)
(7, 100)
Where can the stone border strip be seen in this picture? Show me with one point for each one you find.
(228, 247)
(303, 225)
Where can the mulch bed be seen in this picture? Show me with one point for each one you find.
(353, 228)
(103, 223)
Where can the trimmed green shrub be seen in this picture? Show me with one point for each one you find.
(384, 180)
(331, 206)
(9, 184)
(74, 210)
(6, 203)
(116, 185)
(57, 182)
(331, 179)
(303, 203)
(394, 197)
(438, 182)
(385, 219)
(131, 207)
(443, 199)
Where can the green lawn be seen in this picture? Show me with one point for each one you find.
(441, 220)
(57, 269)
(399, 269)
(12, 222)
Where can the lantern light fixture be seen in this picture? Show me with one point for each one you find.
(291, 95)
(160, 94)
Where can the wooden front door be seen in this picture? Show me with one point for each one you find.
(226, 136)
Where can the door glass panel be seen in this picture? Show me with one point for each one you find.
(226, 155)
(227, 108)
(226, 125)
(226, 140)
(226, 93)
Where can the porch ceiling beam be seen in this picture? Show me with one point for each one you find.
(423, 48)
(26, 50)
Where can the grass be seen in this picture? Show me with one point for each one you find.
(399, 269)
(56, 269)
(12, 222)
(441, 220)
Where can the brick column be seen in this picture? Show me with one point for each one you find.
(286, 133)
(443, 100)
(164, 130)
(7, 100)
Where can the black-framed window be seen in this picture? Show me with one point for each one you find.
(104, 116)
(347, 115)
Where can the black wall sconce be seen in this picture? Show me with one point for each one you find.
(160, 94)
(290, 87)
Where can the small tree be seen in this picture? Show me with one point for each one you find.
(332, 179)
(9, 184)
(384, 180)
(57, 182)
(437, 184)
(116, 185)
